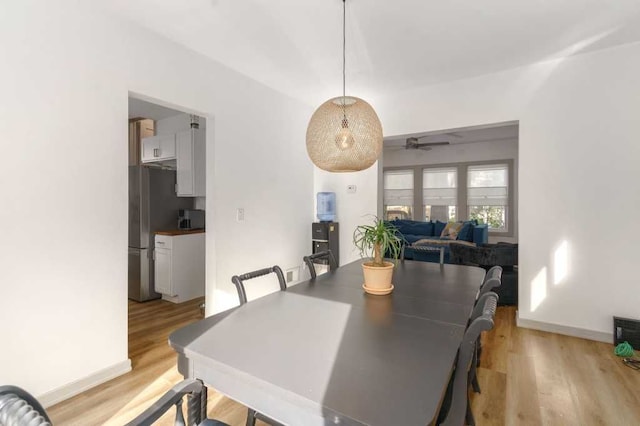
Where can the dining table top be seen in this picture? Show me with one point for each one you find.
(326, 352)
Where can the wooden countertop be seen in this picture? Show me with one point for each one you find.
(174, 232)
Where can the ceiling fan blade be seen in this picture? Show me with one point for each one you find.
(454, 134)
(433, 143)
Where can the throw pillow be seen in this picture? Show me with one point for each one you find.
(466, 233)
(438, 227)
(451, 230)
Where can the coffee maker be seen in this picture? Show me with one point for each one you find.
(190, 219)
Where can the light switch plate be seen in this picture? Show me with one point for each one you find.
(351, 189)
(240, 214)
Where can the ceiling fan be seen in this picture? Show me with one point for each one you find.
(414, 142)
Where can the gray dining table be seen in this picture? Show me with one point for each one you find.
(325, 352)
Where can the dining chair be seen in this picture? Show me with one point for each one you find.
(492, 279)
(196, 394)
(321, 255)
(19, 407)
(477, 312)
(456, 409)
(238, 280)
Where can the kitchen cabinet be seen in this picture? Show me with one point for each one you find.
(158, 148)
(179, 266)
(163, 281)
(190, 163)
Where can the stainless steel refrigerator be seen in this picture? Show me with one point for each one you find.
(153, 206)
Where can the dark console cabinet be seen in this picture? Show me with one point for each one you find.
(325, 236)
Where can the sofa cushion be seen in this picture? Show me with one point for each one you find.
(438, 227)
(466, 233)
(420, 228)
(411, 238)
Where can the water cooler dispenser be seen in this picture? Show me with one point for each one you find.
(324, 234)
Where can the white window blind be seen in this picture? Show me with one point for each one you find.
(439, 187)
(488, 185)
(398, 188)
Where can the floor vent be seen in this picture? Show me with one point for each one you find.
(626, 330)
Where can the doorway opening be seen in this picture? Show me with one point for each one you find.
(166, 222)
(453, 196)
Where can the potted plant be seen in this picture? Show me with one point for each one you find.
(374, 241)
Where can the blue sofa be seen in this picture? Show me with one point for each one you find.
(413, 231)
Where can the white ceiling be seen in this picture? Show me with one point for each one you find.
(294, 46)
(497, 132)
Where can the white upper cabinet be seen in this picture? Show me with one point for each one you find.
(190, 163)
(159, 148)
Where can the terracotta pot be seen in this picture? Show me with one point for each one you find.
(377, 277)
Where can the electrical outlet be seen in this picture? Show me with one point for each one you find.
(351, 189)
(240, 214)
(292, 275)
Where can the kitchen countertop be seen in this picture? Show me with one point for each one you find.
(174, 232)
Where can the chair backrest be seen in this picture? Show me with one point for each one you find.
(238, 280)
(321, 255)
(492, 279)
(18, 407)
(192, 388)
(459, 395)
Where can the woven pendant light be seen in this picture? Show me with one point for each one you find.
(344, 134)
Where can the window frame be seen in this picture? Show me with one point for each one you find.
(456, 187)
(507, 207)
(412, 205)
(462, 208)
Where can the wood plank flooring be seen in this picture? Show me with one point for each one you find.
(527, 377)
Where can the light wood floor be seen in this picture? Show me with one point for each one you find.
(527, 377)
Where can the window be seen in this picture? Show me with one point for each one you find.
(484, 191)
(439, 193)
(488, 195)
(398, 194)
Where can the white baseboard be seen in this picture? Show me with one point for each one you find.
(599, 336)
(78, 386)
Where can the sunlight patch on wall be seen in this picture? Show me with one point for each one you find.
(538, 289)
(221, 301)
(561, 263)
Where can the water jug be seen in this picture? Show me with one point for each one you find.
(326, 210)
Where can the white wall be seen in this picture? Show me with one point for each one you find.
(578, 160)
(177, 123)
(63, 128)
(451, 154)
(479, 151)
(351, 209)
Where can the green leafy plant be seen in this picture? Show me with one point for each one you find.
(377, 239)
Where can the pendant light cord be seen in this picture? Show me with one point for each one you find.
(344, 49)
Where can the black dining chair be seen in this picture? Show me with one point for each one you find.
(238, 280)
(477, 312)
(492, 279)
(18, 407)
(196, 394)
(326, 255)
(456, 409)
